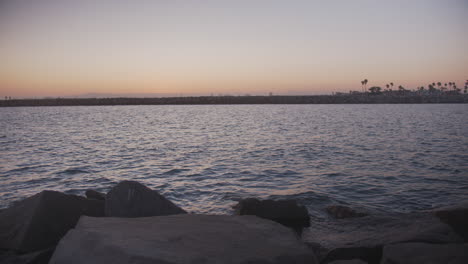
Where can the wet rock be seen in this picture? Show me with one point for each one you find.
(40, 221)
(416, 253)
(456, 217)
(37, 257)
(286, 212)
(364, 237)
(341, 212)
(132, 199)
(366, 254)
(92, 194)
(184, 238)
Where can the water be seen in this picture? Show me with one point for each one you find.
(395, 158)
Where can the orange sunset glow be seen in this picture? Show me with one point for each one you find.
(71, 48)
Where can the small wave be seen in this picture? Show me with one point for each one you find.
(334, 174)
(26, 167)
(290, 172)
(72, 171)
(20, 169)
(99, 180)
(75, 191)
(309, 197)
(440, 168)
(174, 171)
(232, 196)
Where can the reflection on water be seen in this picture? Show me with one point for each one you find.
(204, 158)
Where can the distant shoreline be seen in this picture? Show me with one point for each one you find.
(226, 100)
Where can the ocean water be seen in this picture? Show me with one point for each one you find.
(388, 158)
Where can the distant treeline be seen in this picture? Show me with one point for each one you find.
(277, 99)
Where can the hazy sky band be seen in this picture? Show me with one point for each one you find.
(73, 47)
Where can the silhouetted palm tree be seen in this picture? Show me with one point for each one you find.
(391, 84)
(431, 88)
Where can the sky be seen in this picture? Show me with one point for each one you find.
(203, 47)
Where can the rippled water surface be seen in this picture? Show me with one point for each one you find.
(204, 158)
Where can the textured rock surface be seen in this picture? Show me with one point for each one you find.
(364, 237)
(181, 239)
(417, 253)
(341, 212)
(352, 261)
(132, 199)
(92, 194)
(40, 221)
(37, 257)
(456, 217)
(286, 212)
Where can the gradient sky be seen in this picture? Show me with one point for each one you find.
(64, 48)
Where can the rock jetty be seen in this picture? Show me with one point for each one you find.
(134, 224)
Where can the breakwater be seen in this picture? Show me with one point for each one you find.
(279, 99)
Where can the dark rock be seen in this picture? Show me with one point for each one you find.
(352, 261)
(364, 237)
(40, 221)
(186, 238)
(416, 253)
(286, 212)
(132, 199)
(341, 212)
(367, 254)
(456, 217)
(92, 194)
(37, 257)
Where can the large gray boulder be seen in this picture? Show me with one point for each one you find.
(181, 239)
(132, 199)
(286, 212)
(364, 237)
(417, 253)
(40, 221)
(455, 216)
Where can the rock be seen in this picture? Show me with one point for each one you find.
(40, 221)
(416, 253)
(286, 212)
(456, 217)
(341, 212)
(132, 199)
(186, 238)
(364, 237)
(37, 257)
(92, 194)
(352, 261)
